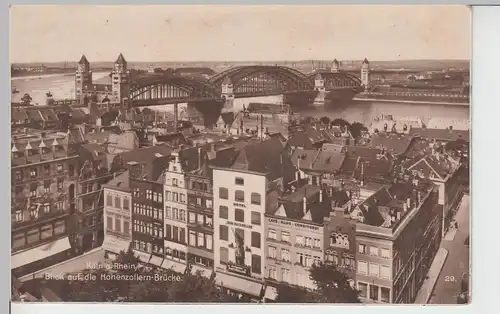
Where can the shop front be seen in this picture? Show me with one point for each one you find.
(40, 257)
(244, 288)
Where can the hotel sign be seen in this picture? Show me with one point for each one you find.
(238, 269)
(293, 224)
(238, 224)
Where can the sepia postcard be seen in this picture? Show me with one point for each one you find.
(240, 154)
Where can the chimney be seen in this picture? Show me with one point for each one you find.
(398, 215)
(321, 195)
(362, 174)
(304, 203)
(408, 202)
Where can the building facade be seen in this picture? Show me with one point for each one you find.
(200, 220)
(147, 218)
(393, 258)
(239, 208)
(92, 174)
(175, 218)
(117, 216)
(43, 176)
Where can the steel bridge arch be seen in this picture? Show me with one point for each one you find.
(337, 77)
(193, 87)
(238, 74)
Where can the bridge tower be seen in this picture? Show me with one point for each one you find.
(335, 66)
(83, 77)
(120, 80)
(227, 94)
(365, 74)
(319, 86)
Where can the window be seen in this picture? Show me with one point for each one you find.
(118, 225)
(192, 218)
(362, 267)
(363, 288)
(255, 239)
(19, 175)
(300, 258)
(192, 238)
(308, 242)
(271, 251)
(209, 241)
(201, 240)
(285, 275)
(316, 260)
(256, 264)
(59, 168)
(285, 255)
(374, 292)
(118, 202)
(385, 294)
(33, 190)
(385, 253)
(362, 249)
(33, 235)
(272, 272)
(224, 235)
(271, 234)
(199, 219)
(126, 227)
(239, 196)
(182, 215)
(223, 193)
(239, 215)
(285, 236)
(224, 255)
(299, 240)
(374, 270)
(46, 186)
(60, 184)
(18, 240)
(239, 181)
(255, 199)
(255, 217)
(175, 196)
(46, 208)
(209, 204)
(317, 243)
(309, 260)
(46, 231)
(168, 212)
(175, 182)
(33, 173)
(19, 215)
(223, 212)
(373, 251)
(385, 272)
(109, 200)
(198, 201)
(208, 220)
(182, 198)
(71, 170)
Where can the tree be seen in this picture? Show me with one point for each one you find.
(196, 288)
(357, 129)
(306, 120)
(333, 285)
(26, 100)
(295, 294)
(325, 120)
(340, 122)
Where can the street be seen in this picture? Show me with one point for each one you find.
(457, 263)
(70, 266)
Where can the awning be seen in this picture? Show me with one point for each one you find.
(143, 256)
(39, 252)
(155, 260)
(173, 265)
(271, 293)
(115, 245)
(238, 284)
(205, 272)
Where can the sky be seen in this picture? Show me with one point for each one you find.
(238, 33)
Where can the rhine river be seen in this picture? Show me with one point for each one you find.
(63, 86)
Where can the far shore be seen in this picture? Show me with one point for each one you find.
(415, 101)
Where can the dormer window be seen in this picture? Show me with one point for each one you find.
(239, 181)
(175, 182)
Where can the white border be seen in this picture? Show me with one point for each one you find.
(485, 208)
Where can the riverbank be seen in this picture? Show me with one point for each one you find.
(32, 77)
(424, 102)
